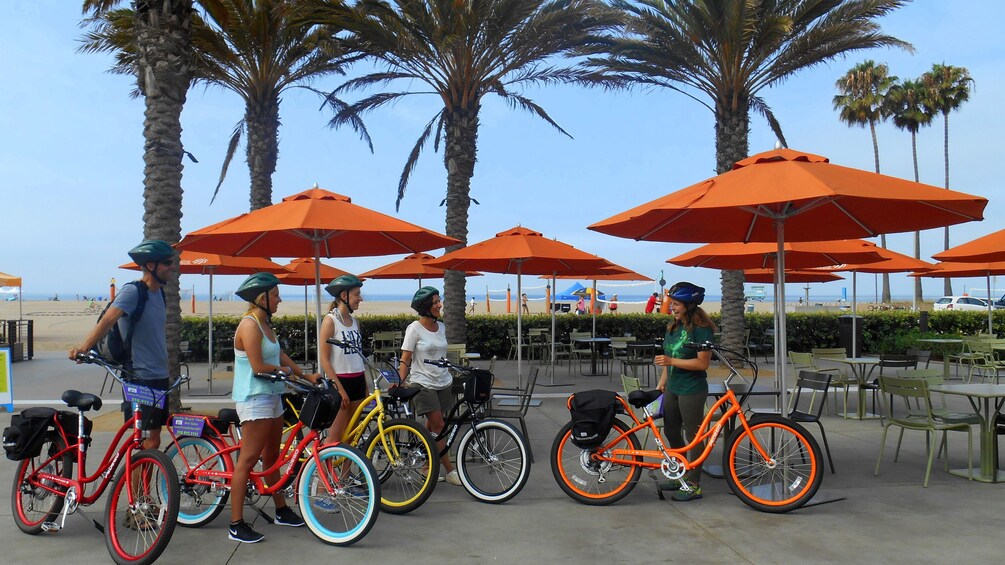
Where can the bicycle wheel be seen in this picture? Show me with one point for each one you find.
(138, 532)
(492, 461)
(345, 513)
(198, 503)
(786, 482)
(32, 502)
(589, 480)
(407, 467)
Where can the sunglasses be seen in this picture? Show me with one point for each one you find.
(167, 262)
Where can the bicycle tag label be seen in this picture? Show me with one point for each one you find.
(144, 395)
(187, 425)
(390, 376)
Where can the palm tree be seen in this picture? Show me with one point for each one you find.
(861, 102)
(728, 51)
(910, 111)
(253, 48)
(461, 51)
(948, 88)
(163, 75)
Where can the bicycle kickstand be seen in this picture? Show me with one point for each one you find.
(265, 515)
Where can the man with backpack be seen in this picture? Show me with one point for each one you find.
(140, 313)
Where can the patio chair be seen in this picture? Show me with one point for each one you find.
(842, 380)
(888, 363)
(925, 420)
(520, 412)
(923, 355)
(639, 357)
(805, 361)
(385, 344)
(986, 362)
(579, 350)
(810, 384)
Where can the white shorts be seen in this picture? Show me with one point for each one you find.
(260, 407)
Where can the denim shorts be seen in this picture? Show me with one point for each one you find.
(260, 407)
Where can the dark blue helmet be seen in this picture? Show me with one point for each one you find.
(687, 293)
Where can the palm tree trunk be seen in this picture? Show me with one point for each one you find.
(917, 235)
(262, 119)
(886, 298)
(163, 42)
(459, 158)
(731, 135)
(945, 148)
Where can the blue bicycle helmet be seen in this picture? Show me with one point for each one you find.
(687, 293)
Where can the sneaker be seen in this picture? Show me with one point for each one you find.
(669, 485)
(440, 479)
(327, 505)
(687, 494)
(243, 533)
(453, 478)
(285, 516)
(139, 522)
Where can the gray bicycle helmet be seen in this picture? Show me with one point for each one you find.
(688, 293)
(422, 300)
(151, 251)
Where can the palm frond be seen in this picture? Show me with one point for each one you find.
(235, 140)
(413, 156)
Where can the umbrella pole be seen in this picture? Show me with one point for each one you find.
(990, 306)
(519, 330)
(307, 349)
(854, 313)
(317, 297)
(781, 344)
(593, 306)
(209, 377)
(553, 336)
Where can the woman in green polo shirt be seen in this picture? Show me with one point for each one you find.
(684, 381)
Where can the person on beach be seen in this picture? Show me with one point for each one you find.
(581, 306)
(523, 301)
(651, 303)
(684, 381)
(148, 344)
(259, 402)
(471, 307)
(345, 368)
(613, 304)
(426, 338)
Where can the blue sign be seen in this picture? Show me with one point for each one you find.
(390, 376)
(144, 395)
(186, 425)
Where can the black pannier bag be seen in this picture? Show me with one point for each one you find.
(593, 414)
(477, 386)
(24, 437)
(68, 421)
(320, 408)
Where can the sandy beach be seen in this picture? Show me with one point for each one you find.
(61, 324)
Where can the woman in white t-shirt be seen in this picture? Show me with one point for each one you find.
(343, 367)
(426, 338)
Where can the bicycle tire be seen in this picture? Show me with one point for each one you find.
(493, 461)
(346, 514)
(31, 503)
(137, 534)
(193, 511)
(577, 473)
(787, 484)
(407, 483)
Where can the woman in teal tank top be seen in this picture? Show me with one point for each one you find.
(259, 402)
(684, 381)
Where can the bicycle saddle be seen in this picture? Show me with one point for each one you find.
(228, 416)
(81, 400)
(403, 393)
(639, 398)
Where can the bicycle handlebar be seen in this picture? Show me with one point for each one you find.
(298, 385)
(92, 357)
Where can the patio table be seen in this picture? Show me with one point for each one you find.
(944, 345)
(861, 368)
(985, 393)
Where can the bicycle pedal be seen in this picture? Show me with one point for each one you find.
(50, 527)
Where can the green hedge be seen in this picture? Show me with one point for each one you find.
(882, 332)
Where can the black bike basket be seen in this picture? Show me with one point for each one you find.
(477, 386)
(24, 437)
(320, 408)
(593, 414)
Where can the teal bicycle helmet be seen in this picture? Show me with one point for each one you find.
(422, 300)
(151, 251)
(342, 284)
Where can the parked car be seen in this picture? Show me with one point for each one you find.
(1000, 303)
(960, 303)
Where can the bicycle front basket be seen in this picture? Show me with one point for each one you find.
(320, 408)
(478, 386)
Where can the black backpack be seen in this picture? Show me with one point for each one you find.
(113, 346)
(593, 414)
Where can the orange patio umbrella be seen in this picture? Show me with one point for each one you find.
(984, 249)
(11, 280)
(197, 263)
(314, 223)
(791, 276)
(961, 269)
(414, 266)
(786, 195)
(798, 255)
(521, 251)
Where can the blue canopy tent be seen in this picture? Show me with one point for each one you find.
(568, 295)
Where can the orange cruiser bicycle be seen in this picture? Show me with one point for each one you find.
(771, 463)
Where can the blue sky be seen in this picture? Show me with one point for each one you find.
(71, 162)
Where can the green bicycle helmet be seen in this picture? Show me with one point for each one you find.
(342, 284)
(255, 285)
(151, 251)
(422, 300)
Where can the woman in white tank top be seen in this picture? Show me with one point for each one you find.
(343, 367)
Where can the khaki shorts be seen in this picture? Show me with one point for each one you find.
(430, 400)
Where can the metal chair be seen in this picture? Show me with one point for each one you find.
(385, 344)
(812, 383)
